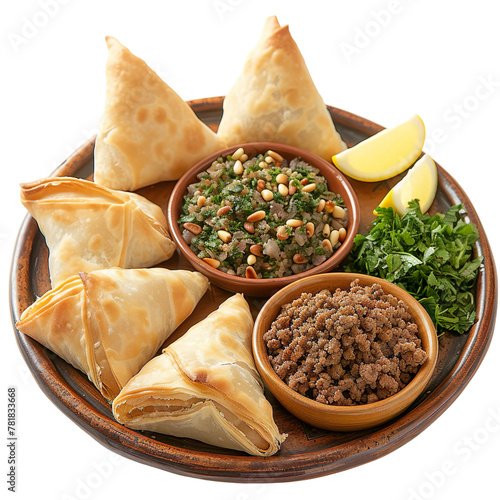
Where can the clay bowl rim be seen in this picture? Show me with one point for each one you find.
(392, 405)
(262, 286)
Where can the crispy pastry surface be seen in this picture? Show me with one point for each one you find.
(89, 227)
(148, 134)
(109, 323)
(205, 386)
(275, 99)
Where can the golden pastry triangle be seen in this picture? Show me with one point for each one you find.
(109, 323)
(148, 134)
(205, 386)
(275, 99)
(89, 227)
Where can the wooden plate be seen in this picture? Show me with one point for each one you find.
(307, 452)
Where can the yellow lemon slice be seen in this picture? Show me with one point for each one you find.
(420, 183)
(385, 154)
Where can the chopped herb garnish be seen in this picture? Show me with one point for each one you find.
(431, 257)
(187, 218)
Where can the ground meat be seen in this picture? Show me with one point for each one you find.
(349, 347)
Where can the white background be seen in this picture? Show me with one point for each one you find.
(384, 60)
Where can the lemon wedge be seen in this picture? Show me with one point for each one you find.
(385, 154)
(420, 183)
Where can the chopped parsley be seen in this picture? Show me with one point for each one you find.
(432, 257)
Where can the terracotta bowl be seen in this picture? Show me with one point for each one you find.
(343, 418)
(266, 286)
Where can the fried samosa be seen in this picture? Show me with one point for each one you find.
(275, 99)
(205, 386)
(109, 323)
(148, 134)
(89, 227)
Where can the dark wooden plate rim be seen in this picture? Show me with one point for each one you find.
(245, 468)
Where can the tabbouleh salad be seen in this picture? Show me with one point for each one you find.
(262, 217)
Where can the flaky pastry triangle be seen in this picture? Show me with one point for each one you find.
(205, 386)
(89, 227)
(275, 99)
(148, 134)
(109, 323)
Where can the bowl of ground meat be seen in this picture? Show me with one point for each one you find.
(344, 351)
(255, 217)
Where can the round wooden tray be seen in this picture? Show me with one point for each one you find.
(307, 452)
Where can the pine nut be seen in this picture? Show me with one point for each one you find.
(237, 154)
(223, 210)
(261, 184)
(309, 229)
(257, 250)
(250, 273)
(327, 246)
(304, 181)
(224, 236)
(275, 155)
(256, 216)
(309, 188)
(244, 158)
(251, 260)
(283, 189)
(269, 159)
(299, 259)
(326, 230)
(342, 234)
(266, 266)
(338, 212)
(238, 167)
(263, 164)
(321, 206)
(281, 233)
(329, 206)
(291, 189)
(249, 227)
(294, 222)
(334, 237)
(282, 179)
(267, 195)
(201, 201)
(212, 262)
(192, 228)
